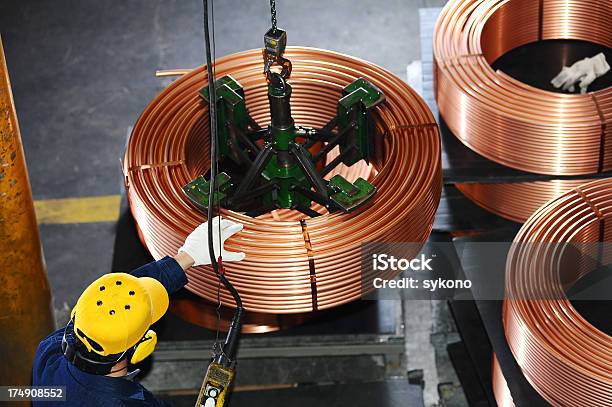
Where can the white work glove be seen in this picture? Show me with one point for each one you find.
(196, 244)
(583, 72)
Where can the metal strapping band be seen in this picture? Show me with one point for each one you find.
(540, 19)
(159, 165)
(602, 139)
(456, 60)
(588, 202)
(413, 126)
(311, 265)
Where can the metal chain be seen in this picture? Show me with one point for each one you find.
(273, 14)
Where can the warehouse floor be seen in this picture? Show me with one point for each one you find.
(83, 70)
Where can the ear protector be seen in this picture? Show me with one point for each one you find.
(144, 347)
(135, 354)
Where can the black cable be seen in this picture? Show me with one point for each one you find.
(214, 68)
(231, 340)
(212, 115)
(216, 164)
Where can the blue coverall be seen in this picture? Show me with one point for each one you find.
(51, 368)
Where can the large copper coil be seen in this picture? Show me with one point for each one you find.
(505, 120)
(516, 201)
(503, 397)
(169, 147)
(566, 359)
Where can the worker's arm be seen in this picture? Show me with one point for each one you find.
(170, 271)
(167, 271)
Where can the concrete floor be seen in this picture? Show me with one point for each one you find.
(83, 70)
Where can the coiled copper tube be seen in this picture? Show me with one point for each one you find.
(503, 397)
(566, 359)
(516, 201)
(508, 121)
(169, 147)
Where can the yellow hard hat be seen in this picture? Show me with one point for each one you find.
(115, 312)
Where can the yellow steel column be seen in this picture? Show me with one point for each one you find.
(25, 299)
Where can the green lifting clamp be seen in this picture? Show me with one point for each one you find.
(268, 168)
(354, 116)
(197, 191)
(233, 119)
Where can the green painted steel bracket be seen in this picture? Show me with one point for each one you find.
(197, 191)
(349, 196)
(354, 117)
(284, 178)
(232, 113)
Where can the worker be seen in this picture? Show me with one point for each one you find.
(109, 327)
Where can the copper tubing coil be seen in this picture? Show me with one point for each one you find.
(566, 359)
(169, 147)
(507, 121)
(502, 394)
(516, 201)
